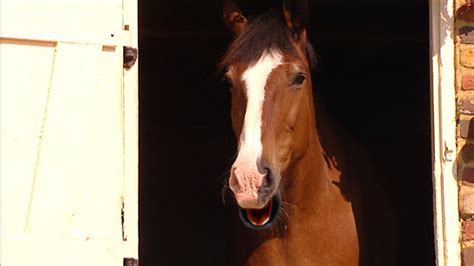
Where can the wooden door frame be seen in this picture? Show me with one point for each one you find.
(443, 123)
(130, 116)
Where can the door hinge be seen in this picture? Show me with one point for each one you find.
(130, 262)
(130, 56)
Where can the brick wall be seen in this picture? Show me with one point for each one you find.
(465, 110)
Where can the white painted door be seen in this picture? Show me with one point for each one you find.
(69, 193)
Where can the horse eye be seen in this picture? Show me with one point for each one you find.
(298, 80)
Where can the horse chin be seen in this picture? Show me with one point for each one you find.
(261, 219)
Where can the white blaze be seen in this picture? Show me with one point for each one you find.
(255, 79)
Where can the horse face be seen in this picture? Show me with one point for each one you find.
(271, 95)
(269, 103)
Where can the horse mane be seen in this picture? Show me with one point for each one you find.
(265, 32)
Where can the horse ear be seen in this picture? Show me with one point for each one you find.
(233, 17)
(296, 13)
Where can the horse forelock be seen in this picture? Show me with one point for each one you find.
(266, 32)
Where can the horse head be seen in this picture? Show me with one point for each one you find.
(268, 70)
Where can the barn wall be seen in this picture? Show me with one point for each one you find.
(465, 142)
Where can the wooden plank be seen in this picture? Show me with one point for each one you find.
(26, 73)
(28, 251)
(130, 85)
(86, 22)
(78, 184)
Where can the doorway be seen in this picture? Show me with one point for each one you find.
(373, 72)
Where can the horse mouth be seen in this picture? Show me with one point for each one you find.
(261, 219)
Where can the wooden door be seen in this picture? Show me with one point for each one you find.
(69, 133)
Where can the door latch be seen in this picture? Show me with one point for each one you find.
(130, 56)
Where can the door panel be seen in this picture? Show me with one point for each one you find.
(80, 166)
(69, 122)
(23, 109)
(84, 21)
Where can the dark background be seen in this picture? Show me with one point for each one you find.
(373, 73)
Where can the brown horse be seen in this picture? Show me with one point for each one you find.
(304, 188)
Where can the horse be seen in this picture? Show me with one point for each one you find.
(305, 190)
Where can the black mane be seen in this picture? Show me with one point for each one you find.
(266, 32)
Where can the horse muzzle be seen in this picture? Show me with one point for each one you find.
(256, 193)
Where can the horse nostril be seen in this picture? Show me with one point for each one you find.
(268, 181)
(267, 187)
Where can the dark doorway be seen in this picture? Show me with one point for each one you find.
(373, 73)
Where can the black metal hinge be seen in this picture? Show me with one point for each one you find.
(130, 56)
(130, 262)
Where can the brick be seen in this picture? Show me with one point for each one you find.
(464, 2)
(468, 256)
(467, 153)
(467, 82)
(467, 56)
(466, 126)
(466, 12)
(466, 106)
(466, 197)
(467, 35)
(467, 176)
(468, 230)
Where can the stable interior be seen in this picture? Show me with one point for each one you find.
(373, 73)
